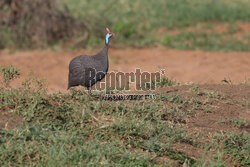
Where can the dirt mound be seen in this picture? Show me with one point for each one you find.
(35, 23)
(230, 102)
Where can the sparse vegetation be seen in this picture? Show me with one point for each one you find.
(165, 81)
(8, 74)
(237, 145)
(205, 41)
(238, 122)
(169, 15)
(76, 130)
(72, 129)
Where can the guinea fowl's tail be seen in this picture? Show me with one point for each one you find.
(69, 85)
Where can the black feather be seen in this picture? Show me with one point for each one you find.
(79, 65)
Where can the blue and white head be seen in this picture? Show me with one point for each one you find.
(108, 36)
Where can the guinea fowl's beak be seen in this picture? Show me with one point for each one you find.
(107, 29)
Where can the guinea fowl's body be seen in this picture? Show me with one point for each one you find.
(87, 70)
(79, 65)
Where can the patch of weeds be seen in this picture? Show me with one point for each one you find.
(162, 149)
(245, 102)
(79, 95)
(171, 98)
(195, 89)
(7, 38)
(9, 73)
(178, 107)
(213, 94)
(217, 161)
(175, 115)
(167, 40)
(237, 122)
(204, 41)
(237, 145)
(32, 144)
(248, 103)
(94, 41)
(124, 28)
(196, 104)
(32, 82)
(165, 81)
(227, 81)
(208, 110)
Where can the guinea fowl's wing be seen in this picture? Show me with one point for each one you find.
(75, 72)
(77, 68)
(95, 63)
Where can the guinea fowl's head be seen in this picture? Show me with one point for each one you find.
(108, 36)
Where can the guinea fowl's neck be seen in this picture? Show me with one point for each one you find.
(104, 51)
(102, 57)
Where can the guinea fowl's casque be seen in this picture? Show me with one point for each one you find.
(81, 67)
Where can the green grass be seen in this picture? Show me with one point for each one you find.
(237, 122)
(165, 81)
(205, 41)
(7, 38)
(128, 15)
(237, 145)
(137, 23)
(72, 129)
(9, 73)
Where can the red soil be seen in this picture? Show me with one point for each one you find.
(184, 66)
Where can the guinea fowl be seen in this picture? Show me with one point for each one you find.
(82, 66)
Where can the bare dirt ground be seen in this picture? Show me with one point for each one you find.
(197, 67)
